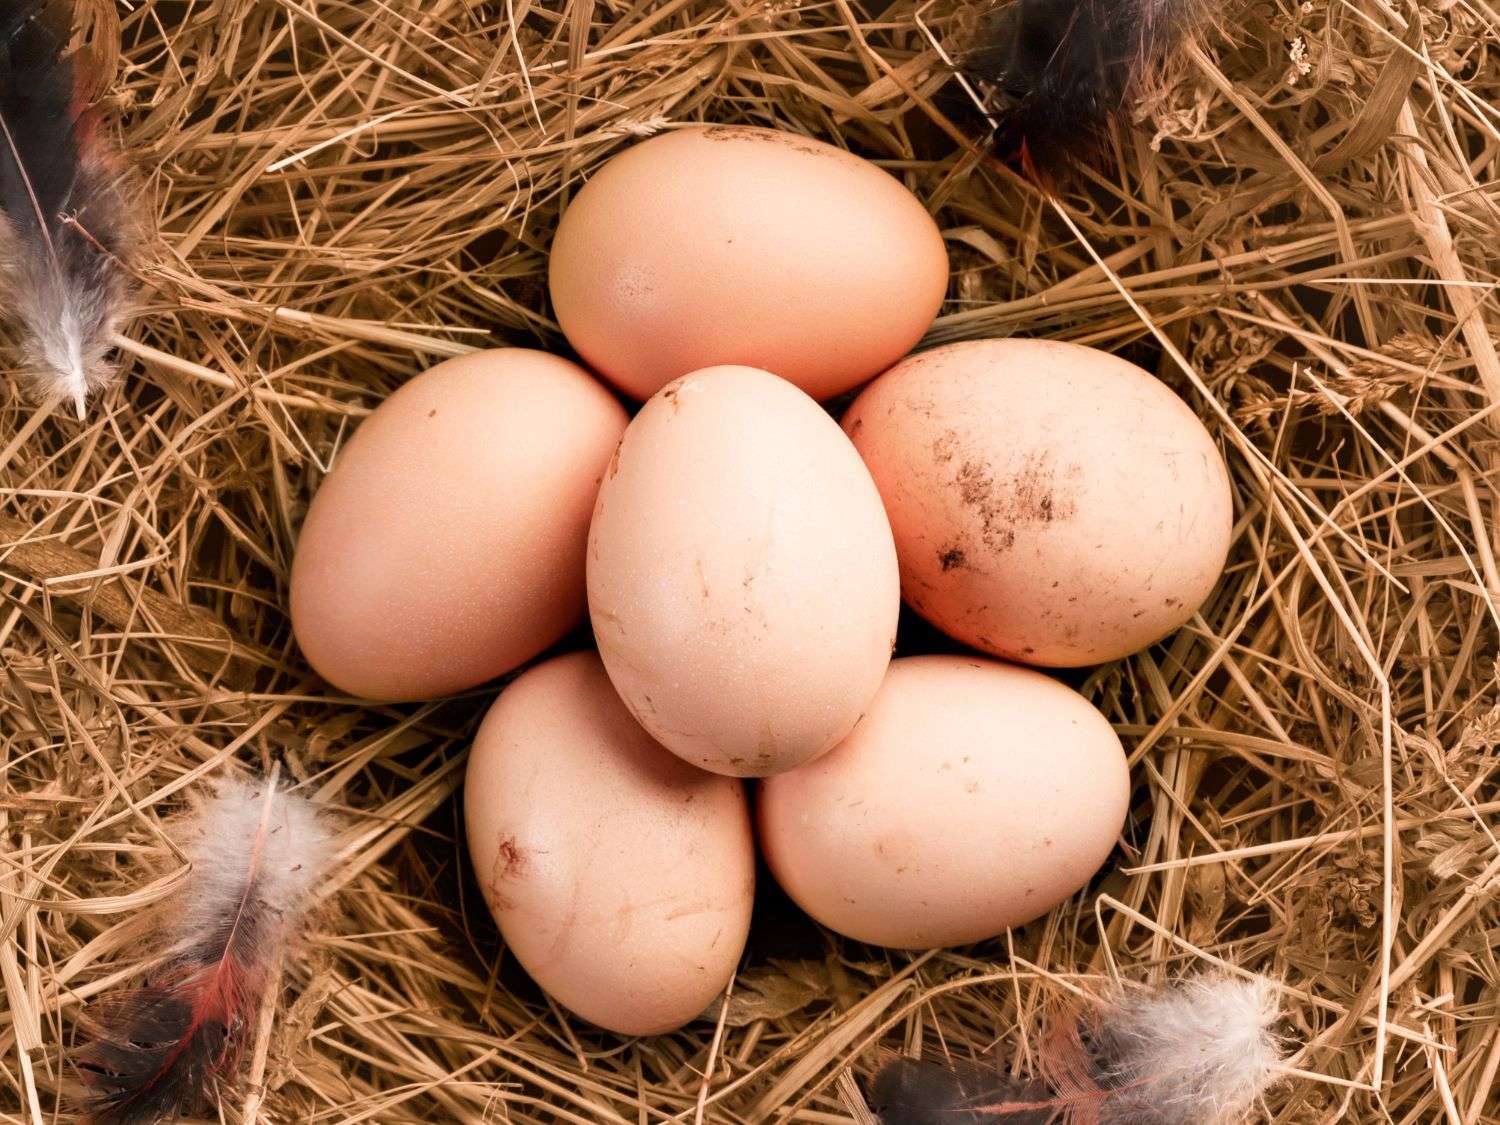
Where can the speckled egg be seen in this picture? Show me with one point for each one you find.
(1051, 503)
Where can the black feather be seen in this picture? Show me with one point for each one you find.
(37, 91)
(152, 1071)
(922, 1092)
(1057, 72)
(62, 210)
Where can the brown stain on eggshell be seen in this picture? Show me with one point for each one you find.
(721, 133)
(510, 863)
(1037, 493)
(509, 858)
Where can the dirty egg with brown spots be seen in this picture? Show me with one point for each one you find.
(1051, 503)
(621, 877)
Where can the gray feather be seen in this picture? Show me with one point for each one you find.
(62, 209)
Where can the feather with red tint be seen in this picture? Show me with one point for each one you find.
(164, 1049)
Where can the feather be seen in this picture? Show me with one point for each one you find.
(256, 852)
(1198, 1052)
(63, 216)
(957, 1092)
(1056, 73)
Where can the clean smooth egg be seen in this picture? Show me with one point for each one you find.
(742, 581)
(446, 546)
(973, 797)
(1051, 503)
(620, 876)
(735, 245)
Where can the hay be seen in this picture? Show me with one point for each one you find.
(348, 191)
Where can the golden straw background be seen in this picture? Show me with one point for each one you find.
(1301, 237)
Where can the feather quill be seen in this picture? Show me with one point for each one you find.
(1199, 1052)
(162, 1050)
(1056, 73)
(63, 215)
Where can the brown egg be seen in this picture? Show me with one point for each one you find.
(973, 797)
(1051, 503)
(742, 580)
(446, 546)
(735, 245)
(621, 877)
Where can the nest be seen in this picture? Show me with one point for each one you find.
(1299, 235)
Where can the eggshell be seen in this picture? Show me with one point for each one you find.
(735, 245)
(742, 579)
(974, 796)
(1051, 503)
(620, 876)
(446, 546)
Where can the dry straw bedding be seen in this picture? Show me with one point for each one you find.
(1301, 237)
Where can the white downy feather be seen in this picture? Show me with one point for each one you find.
(1200, 1052)
(221, 840)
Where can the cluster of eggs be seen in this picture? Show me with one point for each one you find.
(742, 557)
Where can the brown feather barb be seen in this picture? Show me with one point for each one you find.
(1055, 73)
(63, 215)
(166, 1048)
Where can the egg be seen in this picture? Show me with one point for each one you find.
(620, 876)
(446, 546)
(1051, 503)
(742, 580)
(733, 245)
(973, 797)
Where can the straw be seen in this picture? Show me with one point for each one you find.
(1299, 235)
